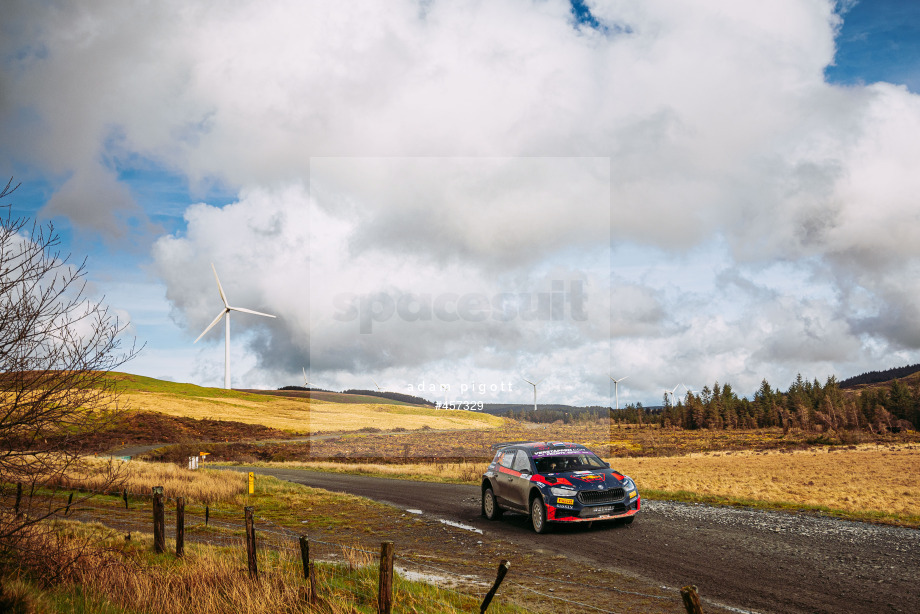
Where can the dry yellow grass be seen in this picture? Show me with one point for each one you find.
(204, 486)
(304, 416)
(885, 480)
(461, 472)
(212, 580)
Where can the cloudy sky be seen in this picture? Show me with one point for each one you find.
(466, 193)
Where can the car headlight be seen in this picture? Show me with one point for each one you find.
(628, 484)
(562, 492)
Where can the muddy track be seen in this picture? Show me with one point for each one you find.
(748, 559)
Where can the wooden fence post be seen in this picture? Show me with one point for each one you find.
(180, 527)
(314, 588)
(251, 543)
(69, 501)
(18, 497)
(159, 521)
(124, 495)
(308, 573)
(385, 587)
(502, 572)
(207, 514)
(691, 600)
(305, 556)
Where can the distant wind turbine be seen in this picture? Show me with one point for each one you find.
(377, 385)
(226, 315)
(534, 390)
(615, 391)
(305, 382)
(445, 388)
(671, 392)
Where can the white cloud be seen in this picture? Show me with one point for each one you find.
(714, 115)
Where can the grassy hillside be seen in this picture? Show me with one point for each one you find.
(290, 411)
(912, 380)
(330, 397)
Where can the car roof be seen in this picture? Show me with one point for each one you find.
(535, 446)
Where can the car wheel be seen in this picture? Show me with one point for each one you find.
(490, 507)
(538, 515)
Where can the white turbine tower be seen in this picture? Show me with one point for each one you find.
(671, 392)
(445, 388)
(226, 315)
(534, 390)
(615, 390)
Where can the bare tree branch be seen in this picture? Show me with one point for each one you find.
(57, 347)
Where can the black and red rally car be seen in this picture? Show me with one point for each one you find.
(556, 482)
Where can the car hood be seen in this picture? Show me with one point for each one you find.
(584, 480)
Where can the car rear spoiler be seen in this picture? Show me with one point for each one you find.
(504, 444)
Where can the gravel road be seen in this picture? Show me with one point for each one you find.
(746, 559)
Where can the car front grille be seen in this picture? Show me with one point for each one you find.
(598, 497)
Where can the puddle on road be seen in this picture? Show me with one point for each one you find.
(460, 525)
(439, 580)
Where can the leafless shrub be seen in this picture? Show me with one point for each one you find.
(56, 347)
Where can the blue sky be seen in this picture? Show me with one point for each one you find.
(879, 41)
(723, 177)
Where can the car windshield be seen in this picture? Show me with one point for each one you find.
(580, 461)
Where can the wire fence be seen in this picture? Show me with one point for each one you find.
(279, 551)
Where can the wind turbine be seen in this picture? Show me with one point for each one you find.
(534, 390)
(615, 391)
(305, 382)
(226, 315)
(376, 384)
(445, 388)
(671, 392)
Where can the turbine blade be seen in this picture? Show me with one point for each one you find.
(220, 288)
(257, 313)
(528, 381)
(622, 378)
(305, 377)
(211, 325)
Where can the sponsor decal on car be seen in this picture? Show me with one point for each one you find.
(591, 478)
(555, 452)
(552, 481)
(564, 501)
(633, 494)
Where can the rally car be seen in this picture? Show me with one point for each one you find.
(556, 482)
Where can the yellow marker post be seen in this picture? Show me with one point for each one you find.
(252, 482)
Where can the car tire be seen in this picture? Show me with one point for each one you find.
(490, 507)
(538, 515)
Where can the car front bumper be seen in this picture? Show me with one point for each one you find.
(590, 513)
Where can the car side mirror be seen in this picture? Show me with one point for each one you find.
(606, 464)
